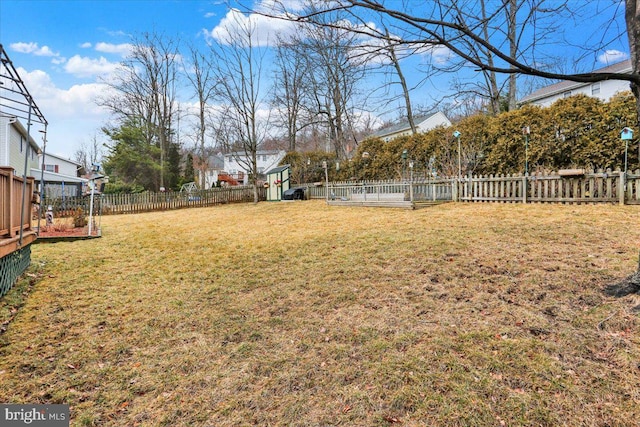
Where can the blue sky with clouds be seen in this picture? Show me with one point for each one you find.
(62, 49)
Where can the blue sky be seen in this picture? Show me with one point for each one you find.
(63, 48)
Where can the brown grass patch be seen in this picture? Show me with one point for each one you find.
(301, 314)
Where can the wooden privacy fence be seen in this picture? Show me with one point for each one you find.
(111, 204)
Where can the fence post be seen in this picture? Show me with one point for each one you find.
(621, 187)
(454, 185)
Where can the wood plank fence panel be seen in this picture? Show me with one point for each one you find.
(114, 204)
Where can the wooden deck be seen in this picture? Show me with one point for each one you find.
(16, 233)
(12, 244)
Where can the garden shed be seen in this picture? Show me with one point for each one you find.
(277, 182)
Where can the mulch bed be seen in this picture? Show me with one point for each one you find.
(50, 234)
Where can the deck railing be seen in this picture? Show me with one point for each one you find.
(12, 206)
(16, 233)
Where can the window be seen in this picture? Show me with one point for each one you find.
(51, 168)
(595, 89)
(21, 143)
(567, 94)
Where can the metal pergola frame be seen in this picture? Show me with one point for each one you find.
(17, 102)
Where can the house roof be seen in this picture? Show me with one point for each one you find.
(56, 177)
(259, 152)
(48, 155)
(403, 125)
(565, 85)
(216, 161)
(278, 169)
(18, 125)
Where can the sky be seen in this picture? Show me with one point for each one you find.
(63, 49)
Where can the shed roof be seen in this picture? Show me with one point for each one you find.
(278, 169)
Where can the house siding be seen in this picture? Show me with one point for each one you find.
(61, 165)
(12, 153)
(608, 89)
(547, 95)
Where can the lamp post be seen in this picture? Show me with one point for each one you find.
(456, 135)
(404, 156)
(526, 131)
(626, 135)
(411, 180)
(92, 181)
(326, 178)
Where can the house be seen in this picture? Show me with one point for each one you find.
(422, 123)
(61, 177)
(209, 176)
(236, 164)
(564, 89)
(14, 146)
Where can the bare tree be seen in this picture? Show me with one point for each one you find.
(201, 78)
(88, 153)
(238, 73)
(290, 87)
(145, 91)
(334, 73)
(459, 26)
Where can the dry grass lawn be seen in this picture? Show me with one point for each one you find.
(300, 314)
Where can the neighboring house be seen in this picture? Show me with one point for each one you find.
(423, 124)
(14, 146)
(61, 178)
(60, 165)
(236, 163)
(215, 166)
(564, 89)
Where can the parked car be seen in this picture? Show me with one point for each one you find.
(296, 193)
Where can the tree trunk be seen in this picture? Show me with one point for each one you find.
(513, 51)
(632, 18)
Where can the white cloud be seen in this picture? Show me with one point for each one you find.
(87, 67)
(33, 48)
(612, 56)
(209, 14)
(86, 45)
(59, 60)
(72, 113)
(264, 28)
(122, 49)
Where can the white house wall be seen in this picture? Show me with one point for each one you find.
(608, 89)
(438, 119)
(65, 166)
(12, 154)
(265, 162)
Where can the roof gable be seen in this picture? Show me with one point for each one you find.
(403, 125)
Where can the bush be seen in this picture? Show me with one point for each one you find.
(79, 219)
